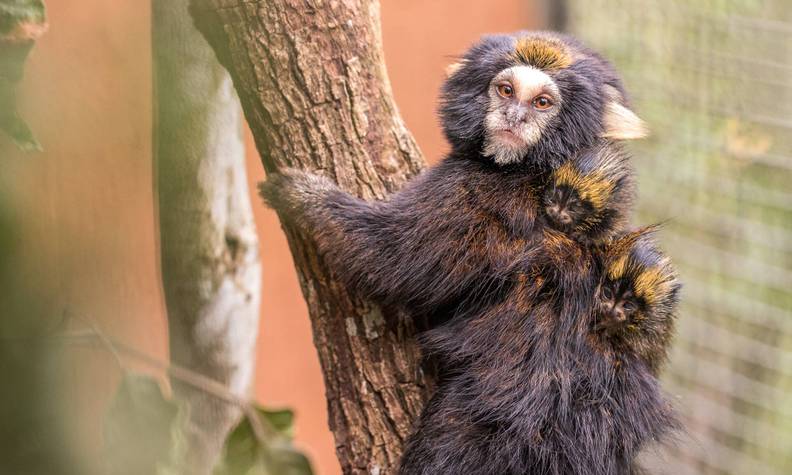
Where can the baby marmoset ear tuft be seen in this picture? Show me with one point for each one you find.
(619, 122)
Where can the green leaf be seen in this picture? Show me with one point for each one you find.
(279, 420)
(14, 12)
(141, 429)
(12, 60)
(289, 461)
(21, 22)
(246, 454)
(18, 130)
(242, 451)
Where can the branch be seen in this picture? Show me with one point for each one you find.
(211, 272)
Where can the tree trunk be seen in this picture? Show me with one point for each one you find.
(210, 265)
(312, 81)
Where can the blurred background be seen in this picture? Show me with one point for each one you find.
(712, 78)
(714, 81)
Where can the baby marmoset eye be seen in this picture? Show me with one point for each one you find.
(589, 196)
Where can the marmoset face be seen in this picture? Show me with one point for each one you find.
(565, 207)
(532, 97)
(523, 100)
(617, 305)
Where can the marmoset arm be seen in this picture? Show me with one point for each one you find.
(433, 242)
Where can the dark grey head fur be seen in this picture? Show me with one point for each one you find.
(585, 80)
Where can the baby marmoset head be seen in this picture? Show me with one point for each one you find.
(636, 299)
(589, 197)
(533, 97)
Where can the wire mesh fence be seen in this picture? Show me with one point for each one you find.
(714, 80)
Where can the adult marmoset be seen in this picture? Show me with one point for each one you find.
(465, 236)
(533, 388)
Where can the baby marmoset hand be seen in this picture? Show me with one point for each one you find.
(589, 196)
(636, 299)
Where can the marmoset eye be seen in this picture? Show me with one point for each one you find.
(607, 293)
(505, 90)
(542, 102)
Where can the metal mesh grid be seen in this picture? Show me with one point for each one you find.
(713, 78)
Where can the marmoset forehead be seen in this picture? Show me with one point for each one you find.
(652, 283)
(543, 52)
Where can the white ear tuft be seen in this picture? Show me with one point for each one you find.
(620, 123)
(452, 68)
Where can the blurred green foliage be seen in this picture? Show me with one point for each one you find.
(14, 12)
(140, 429)
(33, 438)
(21, 22)
(270, 453)
(142, 436)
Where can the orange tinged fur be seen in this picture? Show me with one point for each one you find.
(543, 53)
(593, 187)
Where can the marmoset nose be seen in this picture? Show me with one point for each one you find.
(558, 214)
(618, 314)
(522, 113)
(518, 114)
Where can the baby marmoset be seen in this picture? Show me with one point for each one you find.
(636, 299)
(590, 196)
(473, 237)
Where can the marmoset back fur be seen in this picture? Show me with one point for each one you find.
(529, 388)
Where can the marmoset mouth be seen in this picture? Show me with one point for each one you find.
(507, 135)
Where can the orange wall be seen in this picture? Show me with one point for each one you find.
(86, 203)
(88, 209)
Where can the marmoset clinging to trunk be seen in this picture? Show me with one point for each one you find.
(526, 383)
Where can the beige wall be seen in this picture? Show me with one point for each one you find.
(87, 203)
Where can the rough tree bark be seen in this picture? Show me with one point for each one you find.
(210, 265)
(312, 82)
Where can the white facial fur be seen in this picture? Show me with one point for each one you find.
(512, 124)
